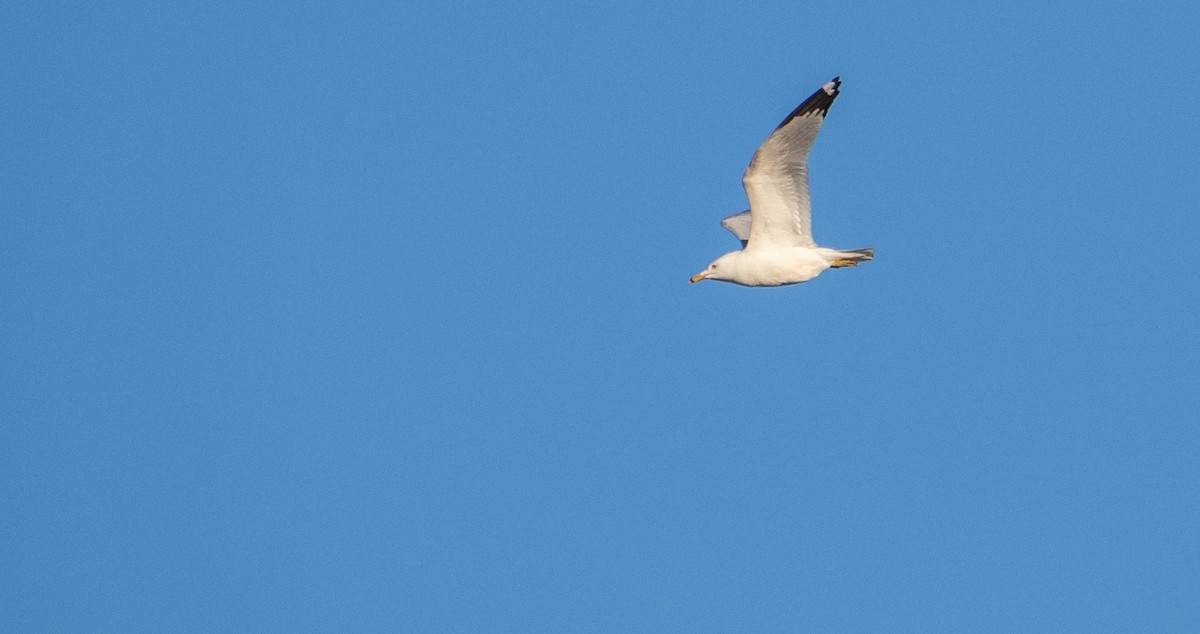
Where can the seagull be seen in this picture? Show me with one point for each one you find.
(776, 232)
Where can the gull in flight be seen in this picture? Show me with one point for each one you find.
(776, 232)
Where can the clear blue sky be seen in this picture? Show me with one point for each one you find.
(375, 316)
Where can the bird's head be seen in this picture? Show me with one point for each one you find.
(721, 268)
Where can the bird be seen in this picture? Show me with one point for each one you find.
(776, 232)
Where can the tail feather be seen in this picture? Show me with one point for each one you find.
(853, 257)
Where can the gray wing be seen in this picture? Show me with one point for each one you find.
(739, 225)
(776, 182)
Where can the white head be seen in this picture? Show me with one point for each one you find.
(723, 268)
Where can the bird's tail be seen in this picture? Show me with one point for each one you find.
(852, 258)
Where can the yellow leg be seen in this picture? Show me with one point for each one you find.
(837, 264)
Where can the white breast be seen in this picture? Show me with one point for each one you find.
(777, 267)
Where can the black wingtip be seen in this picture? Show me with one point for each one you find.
(818, 103)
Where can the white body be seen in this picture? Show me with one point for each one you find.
(773, 267)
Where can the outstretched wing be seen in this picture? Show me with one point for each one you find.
(776, 182)
(739, 225)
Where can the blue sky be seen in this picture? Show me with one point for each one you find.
(376, 317)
